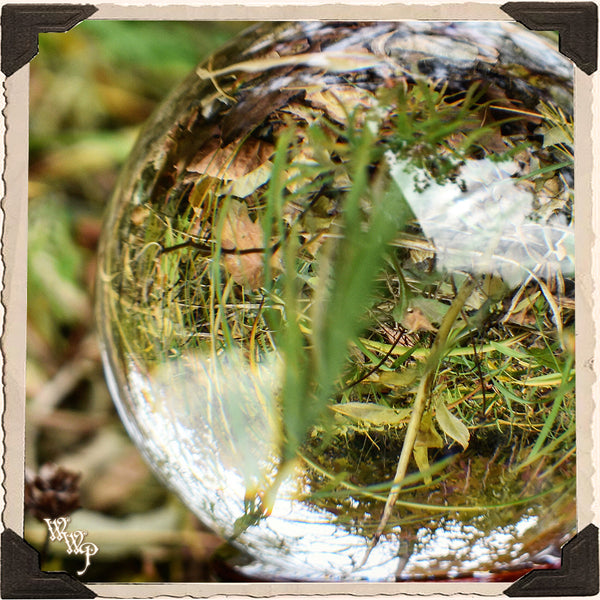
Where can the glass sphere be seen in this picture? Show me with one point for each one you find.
(336, 299)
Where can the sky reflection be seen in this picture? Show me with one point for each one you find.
(484, 222)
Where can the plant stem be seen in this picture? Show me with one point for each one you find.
(423, 394)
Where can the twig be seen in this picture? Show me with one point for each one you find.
(54, 391)
(377, 366)
(481, 380)
(421, 399)
(208, 249)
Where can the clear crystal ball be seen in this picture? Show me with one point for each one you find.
(338, 247)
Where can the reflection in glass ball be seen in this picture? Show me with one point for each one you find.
(336, 300)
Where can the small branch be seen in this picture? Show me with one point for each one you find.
(376, 367)
(423, 394)
(54, 391)
(208, 249)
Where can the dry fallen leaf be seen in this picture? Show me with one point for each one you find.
(233, 161)
(240, 232)
(415, 320)
(373, 414)
(524, 317)
(247, 184)
(339, 104)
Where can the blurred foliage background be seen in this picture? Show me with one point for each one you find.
(90, 91)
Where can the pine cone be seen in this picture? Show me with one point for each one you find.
(52, 493)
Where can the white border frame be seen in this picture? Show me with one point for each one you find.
(13, 220)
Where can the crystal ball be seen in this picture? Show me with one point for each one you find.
(336, 299)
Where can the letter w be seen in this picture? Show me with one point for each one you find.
(57, 528)
(74, 541)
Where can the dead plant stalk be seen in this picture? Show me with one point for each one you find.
(421, 401)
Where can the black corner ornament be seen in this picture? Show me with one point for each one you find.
(576, 23)
(21, 576)
(21, 24)
(578, 576)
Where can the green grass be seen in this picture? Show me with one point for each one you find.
(336, 261)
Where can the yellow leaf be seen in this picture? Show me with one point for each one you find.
(422, 460)
(450, 425)
(249, 183)
(338, 104)
(402, 378)
(371, 413)
(427, 436)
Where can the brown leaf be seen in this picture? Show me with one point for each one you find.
(246, 185)
(513, 108)
(524, 317)
(241, 233)
(414, 320)
(119, 482)
(493, 142)
(233, 161)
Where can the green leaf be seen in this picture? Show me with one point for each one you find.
(505, 349)
(547, 380)
(557, 135)
(450, 425)
(373, 414)
(242, 523)
(543, 170)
